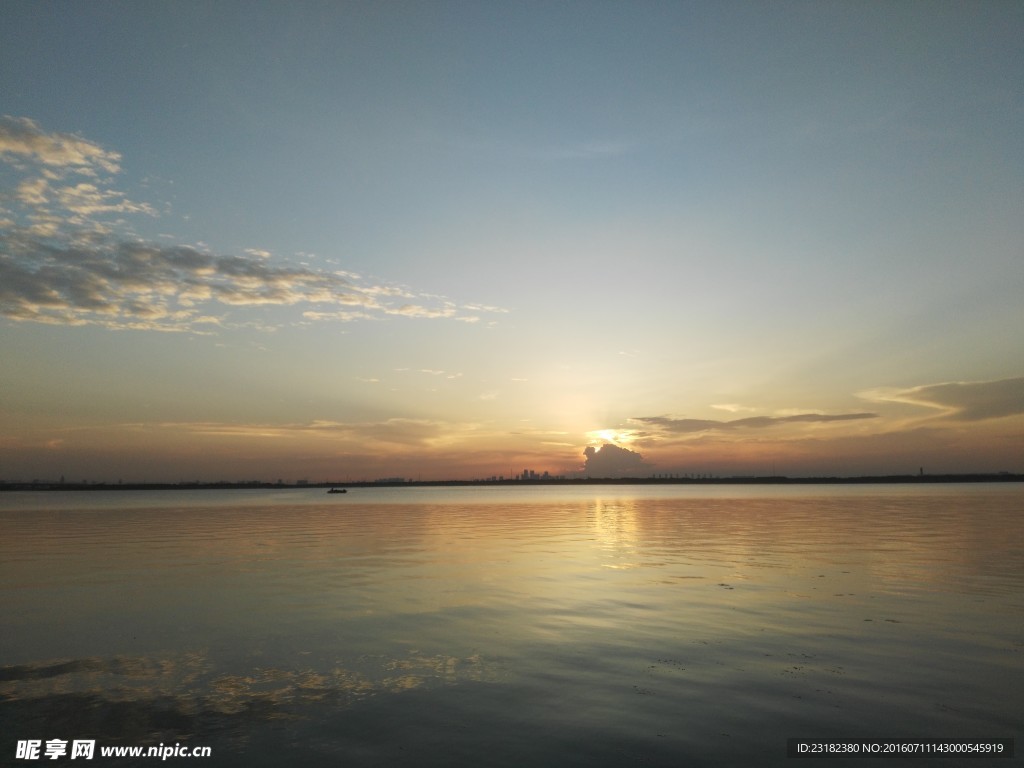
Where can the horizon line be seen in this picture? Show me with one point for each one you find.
(41, 485)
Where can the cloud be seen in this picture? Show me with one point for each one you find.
(612, 461)
(962, 400)
(666, 424)
(416, 310)
(23, 138)
(342, 316)
(67, 256)
(87, 200)
(733, 407)
(373, 435)
(123, 284)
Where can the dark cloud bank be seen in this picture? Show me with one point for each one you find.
(612, 461)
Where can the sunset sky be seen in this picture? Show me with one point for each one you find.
(352, 240)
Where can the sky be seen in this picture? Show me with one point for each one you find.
(353, 240)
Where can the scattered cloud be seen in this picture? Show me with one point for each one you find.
(22, 138)
(125, 284)
(484, 308)
(340, 316)
(434, 372)
(417, 310)
(961, 400)
(68, 256)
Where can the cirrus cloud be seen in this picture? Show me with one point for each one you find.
(961, 400)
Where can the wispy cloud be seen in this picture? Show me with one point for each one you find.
(733, 408)
(324, 437)
(68, 256)
(673, 426)
(418, 310)
(961, 400)
(368, 435)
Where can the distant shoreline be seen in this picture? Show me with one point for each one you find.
(1001, 477)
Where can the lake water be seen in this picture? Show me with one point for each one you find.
(503, 626)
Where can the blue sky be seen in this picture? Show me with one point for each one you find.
(457, 239)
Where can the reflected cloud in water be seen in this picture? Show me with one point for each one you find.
(183, 695)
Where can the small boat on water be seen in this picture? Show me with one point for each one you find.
(338, 490)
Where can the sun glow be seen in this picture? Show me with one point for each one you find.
(616, 436)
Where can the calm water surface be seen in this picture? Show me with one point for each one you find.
(590, 626)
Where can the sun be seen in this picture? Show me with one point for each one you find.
(616, 436)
